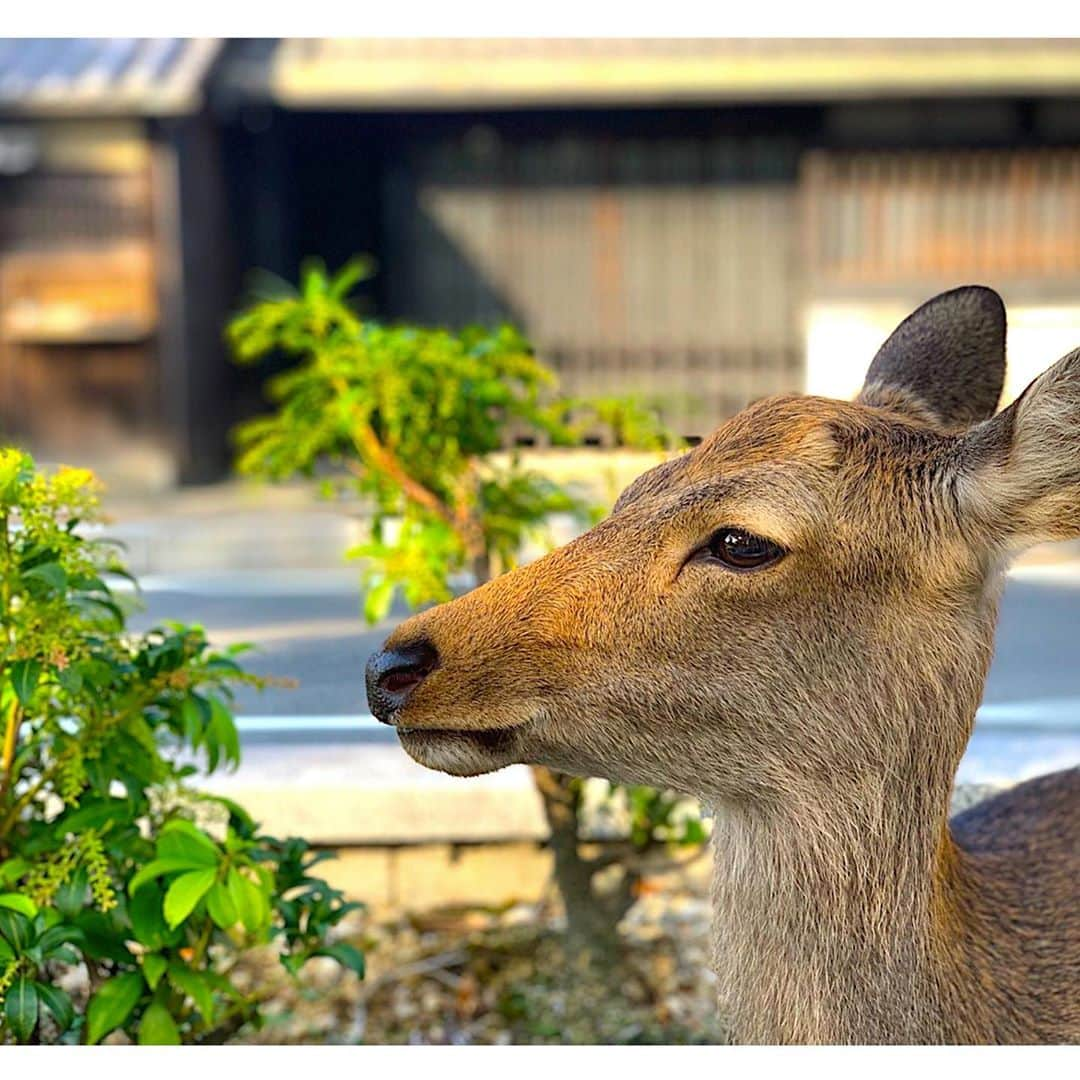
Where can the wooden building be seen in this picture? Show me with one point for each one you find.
(112, 253)
(700, 222)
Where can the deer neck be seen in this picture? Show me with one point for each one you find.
(829, 911)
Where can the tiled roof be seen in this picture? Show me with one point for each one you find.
(156, 76)
(77, 76)
(471, 72)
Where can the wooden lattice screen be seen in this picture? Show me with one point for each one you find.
(50, 210)
(666, 269)
(78, 308)
(884, 218)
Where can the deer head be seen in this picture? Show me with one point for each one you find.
(807, 598)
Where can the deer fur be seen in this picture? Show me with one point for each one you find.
(819, 705)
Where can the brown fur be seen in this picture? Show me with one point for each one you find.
(821, 705)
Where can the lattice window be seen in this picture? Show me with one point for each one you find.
(666, 268)
(899, 216)
(69, 210)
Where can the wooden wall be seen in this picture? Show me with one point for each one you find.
(892, 217)
(78, 302)
(666, 268)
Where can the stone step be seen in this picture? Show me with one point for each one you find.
(370, 793)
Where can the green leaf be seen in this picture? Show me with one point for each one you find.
(93, 815)
(24, 679)
(159, 867)
(21, 1008)
(57, 936)
(47, 918)
(239, 818)
(378, 601)
(179, 839)
(147, 920)
(71, 897)
(12, 869)
(154, 965)
(224, 731)
(349, 956)
(110, 1007)
(195, 986)
(185, 892)
(221, 983)
(248, 898)
(105, 939)
(66, 954)
(51, 574)
(16, 929)
(58, 1003)
(219, 903)
(693, 831)
(16, 469)
(157, 1027)
(193, 720)
(20, 903)
(70, 678)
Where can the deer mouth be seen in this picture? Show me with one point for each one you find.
(463, 752)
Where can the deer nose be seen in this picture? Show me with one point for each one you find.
(393, 674)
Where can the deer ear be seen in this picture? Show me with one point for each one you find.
(946, 359)
(1019, 472)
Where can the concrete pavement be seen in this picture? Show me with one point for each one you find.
(315, 763)
(264, 566)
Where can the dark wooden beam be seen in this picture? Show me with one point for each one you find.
(196, 284)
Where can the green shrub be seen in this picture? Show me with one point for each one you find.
(415, 420)
(111, 865)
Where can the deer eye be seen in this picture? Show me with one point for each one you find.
(738, 549)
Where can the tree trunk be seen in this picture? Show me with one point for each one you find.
(590, 919)
(481, 567)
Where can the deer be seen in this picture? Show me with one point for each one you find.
(793, 621)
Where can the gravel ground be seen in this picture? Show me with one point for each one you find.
(467, 976)
(472, 976)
